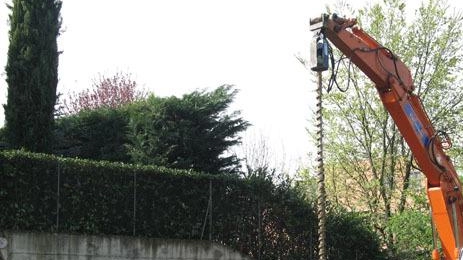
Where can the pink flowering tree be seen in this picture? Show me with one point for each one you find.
(109, 92)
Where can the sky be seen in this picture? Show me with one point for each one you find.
(178, 46)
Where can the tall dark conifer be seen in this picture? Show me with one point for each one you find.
(32, 73)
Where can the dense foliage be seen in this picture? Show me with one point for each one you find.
(32, 73)
(99, 134)
(191, 132)
(3, 143)
(413, 234)
(361, 240)
(46, 193)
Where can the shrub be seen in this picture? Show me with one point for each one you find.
(47, 193)
(93, 134)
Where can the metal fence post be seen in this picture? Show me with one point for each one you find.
(210, 211)
(134, 202)
(259, 230)
(58, 196)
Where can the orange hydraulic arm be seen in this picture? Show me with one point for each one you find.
(394, 84)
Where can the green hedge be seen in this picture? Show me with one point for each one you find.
(47, 193)
(99, 134)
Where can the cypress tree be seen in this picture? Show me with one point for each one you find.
(32, 73)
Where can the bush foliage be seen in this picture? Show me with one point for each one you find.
(99, 134)
(47, 193)
(413, 238)
(191, 132)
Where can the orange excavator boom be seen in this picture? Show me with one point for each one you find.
(394, 84)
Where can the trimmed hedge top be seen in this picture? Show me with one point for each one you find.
(40, 192)
(107, 165)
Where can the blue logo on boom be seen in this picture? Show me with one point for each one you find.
(419, 129)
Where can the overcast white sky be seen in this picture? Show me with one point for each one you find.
(177, 46)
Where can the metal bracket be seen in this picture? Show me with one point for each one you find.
(318, 23)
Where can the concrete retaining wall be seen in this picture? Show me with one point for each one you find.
(45, 246)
